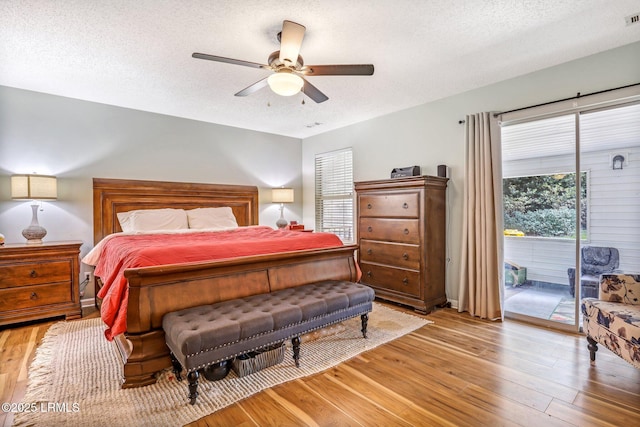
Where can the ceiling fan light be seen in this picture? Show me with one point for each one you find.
(285, 84)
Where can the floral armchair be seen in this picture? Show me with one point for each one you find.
(613, 319)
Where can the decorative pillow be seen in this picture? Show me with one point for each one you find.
(202, 218)
(153, 219)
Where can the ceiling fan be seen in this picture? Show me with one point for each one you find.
(288, 67)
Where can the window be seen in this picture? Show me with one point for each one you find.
(334, 193)
(544, 205)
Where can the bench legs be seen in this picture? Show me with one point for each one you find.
(177, 367)
(365, 320)
(193, 386)
(191, 376)
(295, 342)
(593, 347)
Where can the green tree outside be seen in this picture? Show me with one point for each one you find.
(544, 205)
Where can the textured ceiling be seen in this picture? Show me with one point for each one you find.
(137, 54)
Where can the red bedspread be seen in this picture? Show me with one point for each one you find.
(132, 251)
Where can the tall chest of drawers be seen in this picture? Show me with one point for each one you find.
(402, 239)
(39, 281)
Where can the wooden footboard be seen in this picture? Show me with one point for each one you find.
(155, 291)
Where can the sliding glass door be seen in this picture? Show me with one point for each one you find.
(539, 197)
(571, 209)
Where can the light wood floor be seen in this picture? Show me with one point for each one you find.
(458, 371)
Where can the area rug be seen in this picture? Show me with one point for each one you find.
(74, 379)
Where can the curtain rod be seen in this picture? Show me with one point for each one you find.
(578, 95)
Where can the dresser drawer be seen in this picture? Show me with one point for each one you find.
(398, 205)
(34, 273)
(34, 296)
(393, 254)
(395, 230)
(395, 279)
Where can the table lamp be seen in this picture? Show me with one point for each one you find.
(282, 196)
(34, 187)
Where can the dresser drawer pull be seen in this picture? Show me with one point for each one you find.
(369, 229)
(369, 251)
(33, 273)
(369, 274)
(405, 256)
(405, 206)
(369, 206)
(34, 296)
(406, 231)
(405, 281)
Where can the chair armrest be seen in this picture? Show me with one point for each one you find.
(620, 287)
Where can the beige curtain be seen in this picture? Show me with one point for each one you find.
(482, 272)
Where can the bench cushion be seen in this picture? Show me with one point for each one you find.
(203, 335)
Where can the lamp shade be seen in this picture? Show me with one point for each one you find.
(285, 83)
(282, 195)
(36, 187)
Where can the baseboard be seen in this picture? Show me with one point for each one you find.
(88, 302)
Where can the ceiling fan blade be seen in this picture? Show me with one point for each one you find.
(229, 60)
(338, 70)
(313, 92)
(253, 88)
(290, 41)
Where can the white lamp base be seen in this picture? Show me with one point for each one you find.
(34, 232)
(281, 222)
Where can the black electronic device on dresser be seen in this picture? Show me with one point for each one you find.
(402, 239)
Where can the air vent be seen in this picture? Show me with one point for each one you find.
(632, 19)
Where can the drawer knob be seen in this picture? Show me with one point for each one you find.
(369, 206)
(369, 229)
(369, 274)
(34, 296)
(405, 281)
(33, 273)
(369, 251)
(405, 206)
(405, 256)
(406, 231)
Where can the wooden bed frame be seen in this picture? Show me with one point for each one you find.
(155, 291)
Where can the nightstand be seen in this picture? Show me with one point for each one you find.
(39, 281)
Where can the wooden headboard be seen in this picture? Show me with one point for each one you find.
(111, 196)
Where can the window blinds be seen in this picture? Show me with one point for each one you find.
(334, 193)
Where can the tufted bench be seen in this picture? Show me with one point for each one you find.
(202, 336)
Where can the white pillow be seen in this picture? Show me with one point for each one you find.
(216, 218)
(153, 219)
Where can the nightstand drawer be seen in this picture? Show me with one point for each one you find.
(34, 274)
(403, 281)
(399, 205)
(34, 296)
(395, 230)
(393, 254)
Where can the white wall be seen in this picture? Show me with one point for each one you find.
(77, 141)
(429, 134)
